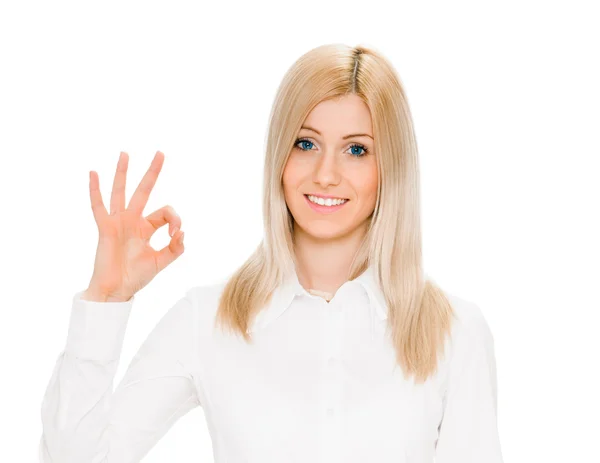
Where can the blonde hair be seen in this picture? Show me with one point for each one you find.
(419, 315)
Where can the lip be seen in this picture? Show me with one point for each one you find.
(324, 209)
(324, 196)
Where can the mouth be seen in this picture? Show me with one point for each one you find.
(324, 209)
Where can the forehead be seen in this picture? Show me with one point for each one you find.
(340, 116)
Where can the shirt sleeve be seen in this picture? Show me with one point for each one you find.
(83, 420)
(468, 431)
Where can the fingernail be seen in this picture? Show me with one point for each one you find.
(181, 238)
(174, 231)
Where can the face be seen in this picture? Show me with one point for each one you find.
(334, 156)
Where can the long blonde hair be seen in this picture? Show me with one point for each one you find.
(419, 313)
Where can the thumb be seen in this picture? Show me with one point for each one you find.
(170, 252)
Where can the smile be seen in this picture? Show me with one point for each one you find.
(325, 205)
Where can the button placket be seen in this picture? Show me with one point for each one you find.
(332, 387)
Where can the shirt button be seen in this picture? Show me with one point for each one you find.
(331, 362)
(330, 412)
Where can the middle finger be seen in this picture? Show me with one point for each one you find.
(117, 198)
(142, 192)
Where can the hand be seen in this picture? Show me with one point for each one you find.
(125, 262)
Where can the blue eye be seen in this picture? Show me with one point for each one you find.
(303, 140)
(306, 141)
(356, 145)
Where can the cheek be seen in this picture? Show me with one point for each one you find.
(367, 184)
(293, 174)
(372, 186)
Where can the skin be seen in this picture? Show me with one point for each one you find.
(328, 164)
(125, 262)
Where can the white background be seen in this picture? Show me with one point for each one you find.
(505, 100)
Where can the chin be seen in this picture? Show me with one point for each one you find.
(326, 232)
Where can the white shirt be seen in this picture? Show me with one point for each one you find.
(319, 383)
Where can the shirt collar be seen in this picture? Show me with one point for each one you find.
(285, 294)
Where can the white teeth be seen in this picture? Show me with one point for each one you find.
(326, 202)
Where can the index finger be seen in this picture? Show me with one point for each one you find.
(142, 192)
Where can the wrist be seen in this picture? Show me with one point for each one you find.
(97, 296)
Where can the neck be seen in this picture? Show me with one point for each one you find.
(323, 264)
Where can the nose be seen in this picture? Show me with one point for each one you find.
(326, 171)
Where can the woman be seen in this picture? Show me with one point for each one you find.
(328, 344)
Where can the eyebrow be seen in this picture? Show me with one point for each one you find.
(344, 137)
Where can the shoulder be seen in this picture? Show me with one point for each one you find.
(468, 319)
(470, 334)
(207, 294)
(205, 300)
(471, 363)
